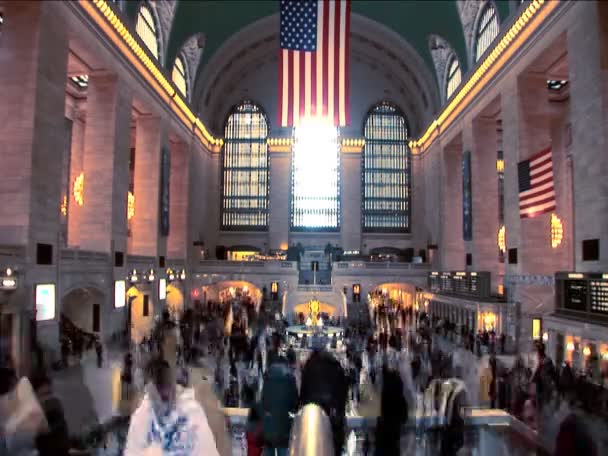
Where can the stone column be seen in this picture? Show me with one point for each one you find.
(280, 191)
(178, 208)
(150, 138)
(452, 249)
(485, 198)
(33, 74)
(588, 66)
(76, 167)
(103, 226)
(350, 194)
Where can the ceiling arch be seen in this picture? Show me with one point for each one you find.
(384, 67)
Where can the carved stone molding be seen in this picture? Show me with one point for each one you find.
(468, 11)
(440, 52)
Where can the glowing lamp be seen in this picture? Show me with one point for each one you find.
(500, 165)
(78, 189)
(557, 231)
(605, 356)
(545, 336)
(64, 206)
(570, 346)
(502, 241)
(586, 351)
(182, 275)
(130, 206)
(9, 272)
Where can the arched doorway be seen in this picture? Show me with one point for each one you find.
(82, 308)
(175, 301)
(80, 321)
(141, 313)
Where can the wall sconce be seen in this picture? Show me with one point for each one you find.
(502, 239)
(130, 205)
(500, 165)
(586, 351)
(182, 275)
(151, 276)
(64, 206)
(605, 356)
(545, 336)
(9, 281)
(170, 274)
(570, 346)
(78, 189)
(557, 231)
(133, 278)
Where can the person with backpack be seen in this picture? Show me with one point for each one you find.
(279, 403)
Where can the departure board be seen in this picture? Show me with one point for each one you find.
(475, 284)
(575, 295)
(598, 290)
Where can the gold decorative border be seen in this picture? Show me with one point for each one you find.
(103, 15)
(529, 21)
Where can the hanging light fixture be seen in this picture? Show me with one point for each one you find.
(78, 189)
(557, 231)
(130, 205)
(502, 239)
(64, 206)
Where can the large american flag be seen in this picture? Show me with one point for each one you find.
(313, 61)
(536, 189)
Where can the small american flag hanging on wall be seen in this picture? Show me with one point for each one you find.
(314, 61)
(536, 188)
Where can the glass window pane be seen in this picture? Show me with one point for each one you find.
(487, 30)
(245, 170)
(146, 29)
(315, 198)
(179, 75)
(386, 172)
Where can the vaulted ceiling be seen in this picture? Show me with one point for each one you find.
(417, 24)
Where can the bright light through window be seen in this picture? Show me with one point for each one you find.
(315, 179)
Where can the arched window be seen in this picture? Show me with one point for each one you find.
(179, 76)
(315, 177)
(454, 77)
(487, 30)
(146, 29)
(386, 172)
(245, 170)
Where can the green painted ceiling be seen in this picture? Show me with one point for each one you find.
(414, 20)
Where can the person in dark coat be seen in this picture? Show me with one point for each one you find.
(279, 402)
(393, 414)
(324, 383)
(54, 441)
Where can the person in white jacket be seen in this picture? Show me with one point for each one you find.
(169, 421)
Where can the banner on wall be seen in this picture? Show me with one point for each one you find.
(467, 203)
(45, 301)
(165, 173)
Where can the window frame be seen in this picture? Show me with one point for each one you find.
(183, 73)
(229, 141)
(151, 28)
(384, 171)
(450, 75)
(481, 28)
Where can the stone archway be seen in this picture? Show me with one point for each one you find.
(83, 308)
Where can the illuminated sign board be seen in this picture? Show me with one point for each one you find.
(120, 291)
(162, 289)
(45, 302)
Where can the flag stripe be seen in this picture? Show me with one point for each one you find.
(331, 67)
(303, 81)
(326, 21)
(347, 65)
(307, 83)
(533, 212)
(290, 90)
(537, 191)
(285, 87)
(336, 79)
(540, 199)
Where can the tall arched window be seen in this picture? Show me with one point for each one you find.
(487, 30)
(245, 170)
(178, 76)
(454, 76)
(146, 29)
(385, 172)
